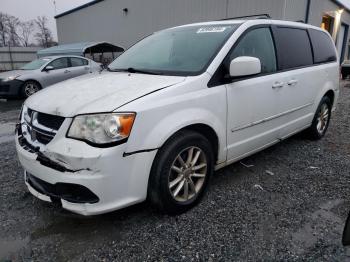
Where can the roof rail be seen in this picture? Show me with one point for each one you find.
(259, 16)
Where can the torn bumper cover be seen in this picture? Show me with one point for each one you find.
(84, 179)
(69, 192)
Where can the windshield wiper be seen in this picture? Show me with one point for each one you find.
(134, 70)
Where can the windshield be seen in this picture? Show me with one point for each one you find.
(36, 64)
(178, 51)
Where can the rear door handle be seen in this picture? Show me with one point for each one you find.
(277, 85)
(293, 82)
(86, 68)
(66, 71)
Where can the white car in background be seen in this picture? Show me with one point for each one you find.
(173, 108)
(42, 73)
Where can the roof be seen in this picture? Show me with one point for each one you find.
(78, 8)
(343, 3)
(80, 49)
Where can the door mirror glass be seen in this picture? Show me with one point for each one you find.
(49, 68)
(245, 66)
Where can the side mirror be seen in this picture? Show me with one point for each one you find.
(49, 68)
(245, 66)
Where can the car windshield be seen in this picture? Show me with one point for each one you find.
(179, 51)
(36, 64)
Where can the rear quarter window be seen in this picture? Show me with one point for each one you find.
(323, 46)
(75, 61)
(293, 47)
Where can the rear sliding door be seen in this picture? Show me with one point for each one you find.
(301, 80)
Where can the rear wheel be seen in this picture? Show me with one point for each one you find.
(321, 119)
(181, 172)
(29, 88)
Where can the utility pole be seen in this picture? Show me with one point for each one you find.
(54, 4)
(10, 54)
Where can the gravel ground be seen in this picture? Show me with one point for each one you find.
(290, 204)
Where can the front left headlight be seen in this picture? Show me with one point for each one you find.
(10, 78)
(102, 129)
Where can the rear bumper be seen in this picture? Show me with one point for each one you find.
(10, 88)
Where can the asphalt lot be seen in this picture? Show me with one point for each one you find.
(288, 202)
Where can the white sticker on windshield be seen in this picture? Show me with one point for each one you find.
(212, 29)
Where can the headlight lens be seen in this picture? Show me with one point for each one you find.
(10, 78)
(102, 128)
(26, 114)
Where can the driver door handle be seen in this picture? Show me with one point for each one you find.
(277, 85)
(293, 82)
(66, 71)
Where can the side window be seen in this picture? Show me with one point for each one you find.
(293, 47)
(59, 63)
(256, 43)
(75, 61)
(323, 46)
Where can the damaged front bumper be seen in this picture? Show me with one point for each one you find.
(84, 179)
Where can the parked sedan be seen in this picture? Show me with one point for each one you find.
(42, 73)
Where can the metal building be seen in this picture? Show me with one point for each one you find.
(123, 22)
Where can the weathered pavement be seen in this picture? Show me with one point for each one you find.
(291, 204)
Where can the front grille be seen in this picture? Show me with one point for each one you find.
(42, 136)
(4, 88)
(40, 127)
(50, 121)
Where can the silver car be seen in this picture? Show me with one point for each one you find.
(44, 72)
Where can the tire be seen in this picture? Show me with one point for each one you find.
(321, 120)
(29, 88)
(164, 188)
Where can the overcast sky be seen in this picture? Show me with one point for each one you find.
(30, 9)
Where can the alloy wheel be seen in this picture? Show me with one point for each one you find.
(30, 89)
(322, 119)
(187, 174)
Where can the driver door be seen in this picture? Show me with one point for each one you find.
(58, 73)
(252, 101)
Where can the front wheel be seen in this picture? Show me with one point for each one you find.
(29, 88)
(321, 119)
(181, 172)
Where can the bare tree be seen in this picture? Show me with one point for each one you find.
(3, 29)
(12, 24)
(44, 35)
(26, 29)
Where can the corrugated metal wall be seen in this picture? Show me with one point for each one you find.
(107, 21)
(319, 8)
(15, 57)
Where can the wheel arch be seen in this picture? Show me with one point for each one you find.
(205, 130)
(32, 80)
(330, 93)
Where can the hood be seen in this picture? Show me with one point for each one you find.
(7, 74)
(97, 92)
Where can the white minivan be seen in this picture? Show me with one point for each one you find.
(176, 106)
